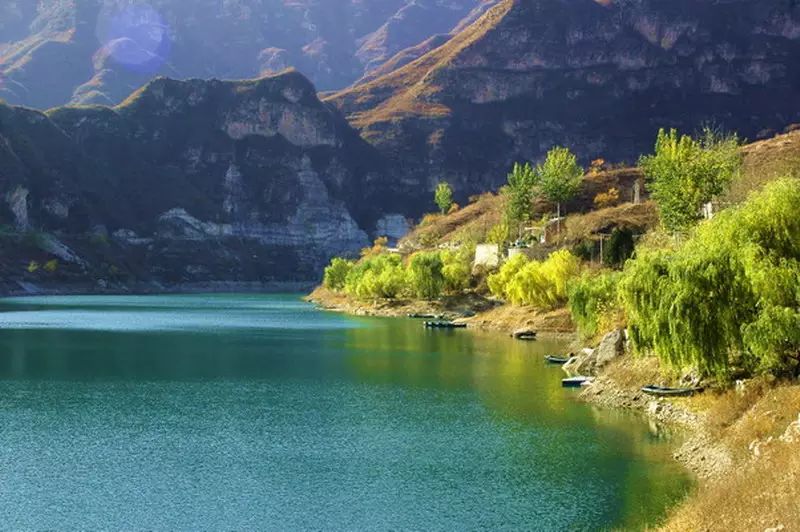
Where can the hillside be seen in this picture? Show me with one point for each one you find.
(189, 181)
(600, 78)
(98, 51)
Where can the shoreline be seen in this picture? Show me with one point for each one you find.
(707, 427)
(150, 288)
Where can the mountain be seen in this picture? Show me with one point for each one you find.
(99, 51)
(598, 77)
(189, 181)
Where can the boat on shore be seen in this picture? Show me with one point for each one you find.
(444, 325)
(417, 316)
(553, 359)
(666, 391)
(576, 382)
(524, 334)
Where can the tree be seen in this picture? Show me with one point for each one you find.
(443, 197)
(336, 273)
(559, 177)
(424, 275)
(726, 295)
(520, 192)
(685, 173)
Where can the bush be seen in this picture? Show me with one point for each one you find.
(539, 284)
(377, 276)
(594, 303)
(336, 273)
(619, 247)
(727, 295)
(424, 275)
(457, 269)
(543, 285)
(498, 281)
(607, 199)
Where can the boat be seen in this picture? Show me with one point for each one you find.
(556, 359)
(576, 382)
(524, 334)
(444, 325)
(666, 391)
(425, 316)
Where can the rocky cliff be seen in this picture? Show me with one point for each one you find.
(99, 51)
(193, 181)
(598, 76)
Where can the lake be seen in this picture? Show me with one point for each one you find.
(261, 412)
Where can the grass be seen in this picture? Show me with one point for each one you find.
(758, 492)
(469, 224)
(764, 162)
(638, 217)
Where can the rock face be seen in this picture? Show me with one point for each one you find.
(251, 181)
(99, 51)
(598, 77)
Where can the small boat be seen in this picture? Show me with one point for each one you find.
(425, 316)
(524, 334)
(444, 325)
(556, 359)
(666, 391)
(576, 382)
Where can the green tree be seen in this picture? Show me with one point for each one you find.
(685, 173)
(457, 268)
(336, 273)
(559, 177)
(727, 295)
(520, 192)
(444, 197)
(375, 277)
(424, 275)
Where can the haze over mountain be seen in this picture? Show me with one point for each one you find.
(54, 52)
(262, 181)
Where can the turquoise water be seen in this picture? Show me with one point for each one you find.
(260, 412)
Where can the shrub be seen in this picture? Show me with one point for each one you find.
(51, 266)
(543, 285)
(619, 247)
(457, 268)
(539, 284)
(729, 294)
(376, 276)
(424, 275)
(498, 281)
(336, 273)
(594, 302)
(607, 199)
(33, 266)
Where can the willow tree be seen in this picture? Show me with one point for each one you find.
(729, 294)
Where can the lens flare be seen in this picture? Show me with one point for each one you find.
(134, 36)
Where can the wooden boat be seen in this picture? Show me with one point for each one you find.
(425, 316)
(524, 334)
(666, 391)
(576, 382)
(444, 325)
(556, 359)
